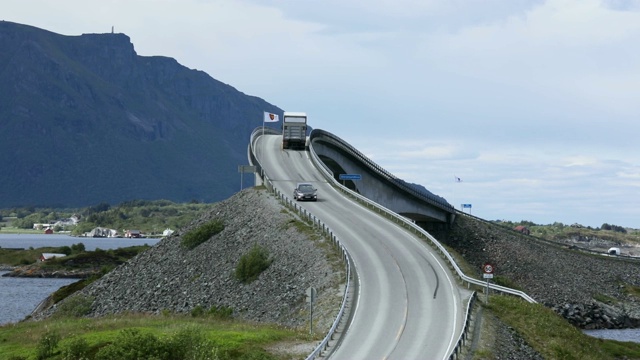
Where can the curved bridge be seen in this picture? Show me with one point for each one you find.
(405, 303)
(429, 211)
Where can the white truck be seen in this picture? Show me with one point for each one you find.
(294, 130)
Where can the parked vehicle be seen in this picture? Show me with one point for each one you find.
(305, 191)
(294, 130)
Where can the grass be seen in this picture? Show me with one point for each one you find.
(547, 332)
(15, 230)
(631, 290)
(231, 339)
(202, 233)
(553, 337)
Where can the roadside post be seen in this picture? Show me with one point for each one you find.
(487, 273)
(245, 169)
(311, 298)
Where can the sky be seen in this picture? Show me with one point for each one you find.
(534, 105)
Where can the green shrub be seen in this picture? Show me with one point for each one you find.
(76, 349)
(47, 345)
(189, 343)
(197, 311)
(201, 234)
(131, 344)
(76, 306)
(77, 248)
(252, 264)
(223, 312)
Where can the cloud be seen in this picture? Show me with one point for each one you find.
(532, 103)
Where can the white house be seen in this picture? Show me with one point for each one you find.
(167, 232)
(49, 256)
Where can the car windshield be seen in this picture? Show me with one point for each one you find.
(305, 187)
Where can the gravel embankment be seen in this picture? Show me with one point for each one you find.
(170, 277)
(563, 279)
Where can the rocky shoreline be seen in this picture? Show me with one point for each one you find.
(6, 267)
(34, 271)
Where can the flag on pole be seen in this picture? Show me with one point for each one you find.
(457, 179)
(269, 117)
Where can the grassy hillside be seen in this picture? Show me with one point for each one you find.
(150, 217)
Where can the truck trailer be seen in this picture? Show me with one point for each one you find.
(294, 130)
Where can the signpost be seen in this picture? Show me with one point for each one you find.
(245, 169)
(311, 298)
(466, 206)
(487, 273)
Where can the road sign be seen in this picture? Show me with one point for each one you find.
(311, 294)
(464, 206)
(487, 270)
(350, 177)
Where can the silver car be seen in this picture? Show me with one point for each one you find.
(305, 191)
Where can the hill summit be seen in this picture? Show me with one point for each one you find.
(85, 119)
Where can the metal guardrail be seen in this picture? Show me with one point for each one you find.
(416, 229)
(316, 222)
(430, 198)
(398, 219)
(465, 330)
(426, 236)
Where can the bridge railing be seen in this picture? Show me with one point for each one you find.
(304, 214)
(429, 197)
(407, 223)
(410, 225)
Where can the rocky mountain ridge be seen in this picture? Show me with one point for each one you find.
(86, 120)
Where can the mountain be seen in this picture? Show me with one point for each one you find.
(85, 119)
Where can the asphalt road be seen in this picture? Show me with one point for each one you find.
(409, 305)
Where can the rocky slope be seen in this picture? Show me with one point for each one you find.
(588, 290)
(169, 277)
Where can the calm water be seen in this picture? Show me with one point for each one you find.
(25, 241)
(19, 296)
(620, 335)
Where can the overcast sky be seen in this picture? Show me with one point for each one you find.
(534, 105)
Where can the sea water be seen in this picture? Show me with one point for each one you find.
(20, 296)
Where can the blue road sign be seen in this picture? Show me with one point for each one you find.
(466, 206)
(350, 177)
